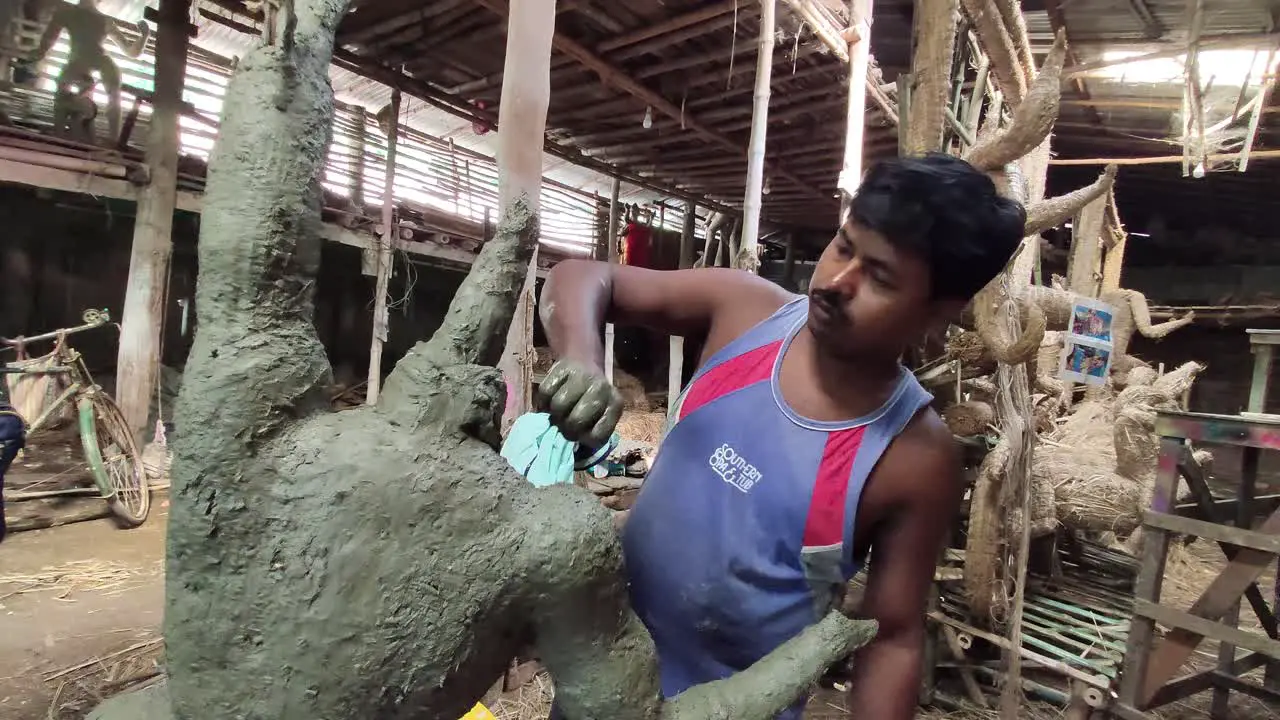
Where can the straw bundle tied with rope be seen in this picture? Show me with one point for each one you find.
(1101, 460)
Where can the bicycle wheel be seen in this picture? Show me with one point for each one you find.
(114, 457)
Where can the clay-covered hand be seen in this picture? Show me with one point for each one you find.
(582, 402)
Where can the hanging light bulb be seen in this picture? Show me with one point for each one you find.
(768, 186)
(648, 117)
(1198, 172)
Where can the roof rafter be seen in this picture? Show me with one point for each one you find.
(612, 75)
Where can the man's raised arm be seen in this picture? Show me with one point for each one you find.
(581, 295)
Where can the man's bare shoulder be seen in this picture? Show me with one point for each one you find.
(923, 464)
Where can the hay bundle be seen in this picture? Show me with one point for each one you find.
(1138, 376)
(644, 427)
(969, 418)
(980, 388)
(1045, 409)
(1136, 444)
(971, 351)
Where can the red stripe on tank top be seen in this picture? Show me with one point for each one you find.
(731, 375)
(825, 524)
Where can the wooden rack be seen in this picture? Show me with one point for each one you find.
(1150, 664)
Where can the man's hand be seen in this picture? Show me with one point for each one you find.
(582, 402)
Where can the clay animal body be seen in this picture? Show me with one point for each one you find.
(87, 29)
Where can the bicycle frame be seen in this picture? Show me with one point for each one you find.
(70, 362)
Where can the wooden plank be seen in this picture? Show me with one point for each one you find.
(1262, 505)
(1221, 429)
(1193, 683)
(1221, 704)
(1261, 377)
(1201, 627)
(1174, 649)
(1155, 549)
(1199, 485)
(1265, 694)
(1238, 537)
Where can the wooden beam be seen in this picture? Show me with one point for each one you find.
(458, 107)
(142, 320)
(1151, 25)
(679, 22)
(522, 128)
(1226, 42)
(1161, 159)
(384, 257)
(614, 76)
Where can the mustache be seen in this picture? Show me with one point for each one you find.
(829, 298)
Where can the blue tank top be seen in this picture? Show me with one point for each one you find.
(743, 531)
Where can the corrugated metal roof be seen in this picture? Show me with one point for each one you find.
(356, 90)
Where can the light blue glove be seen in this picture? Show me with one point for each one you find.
(538, 451)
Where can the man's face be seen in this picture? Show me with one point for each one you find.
(867, 298)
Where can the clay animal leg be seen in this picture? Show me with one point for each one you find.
(111, 83)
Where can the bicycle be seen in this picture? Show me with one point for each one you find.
(109, 446)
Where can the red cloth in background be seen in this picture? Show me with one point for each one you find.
(635, 246)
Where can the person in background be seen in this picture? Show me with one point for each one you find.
(13, 435)
(801, 446)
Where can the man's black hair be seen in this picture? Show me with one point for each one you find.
(946, 211)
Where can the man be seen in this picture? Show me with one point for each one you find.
(13, 435)
(801, 444)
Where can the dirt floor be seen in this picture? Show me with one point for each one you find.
(81, 607)
(80, 613)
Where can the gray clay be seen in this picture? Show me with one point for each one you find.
(383, 562)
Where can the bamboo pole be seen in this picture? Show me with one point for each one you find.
(612, 257)
(142, 319)
(860, 13)
(522, 121)
(1255, 117)
(385, 242)
(747, 257)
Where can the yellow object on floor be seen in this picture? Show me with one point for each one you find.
(479, 712)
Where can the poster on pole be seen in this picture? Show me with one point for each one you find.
(1086, 361)
(1086, 357)
(1091, 319)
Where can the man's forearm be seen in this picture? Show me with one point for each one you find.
(574, 302)
(886, 679)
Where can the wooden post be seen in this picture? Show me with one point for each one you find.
(931, 71)
(142, 320)
(357, 177)
(856, 118)
(613, 258)
(675, 361)
(522, 124)
(385, 242)
(1086, 244)
(1113, 261)
(748, 257)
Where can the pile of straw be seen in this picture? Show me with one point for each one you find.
(531, 701)
(101, 577)
(643, 427)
